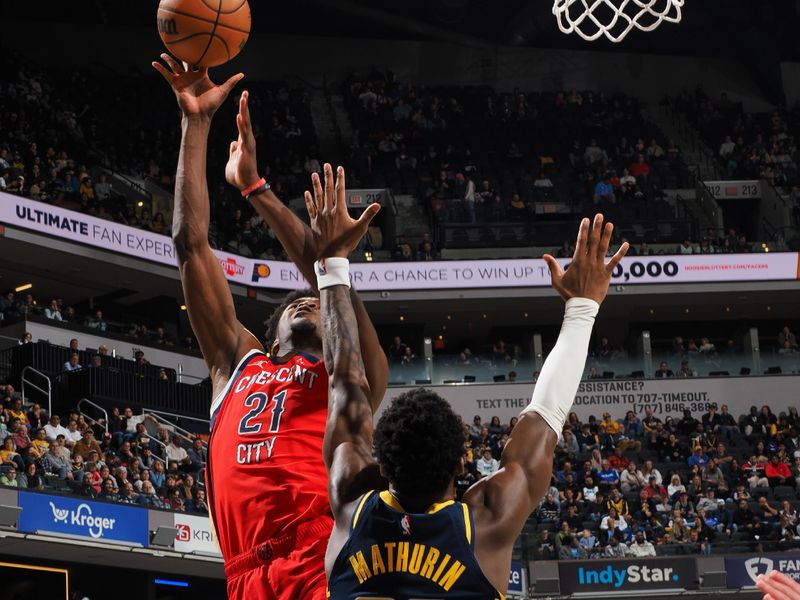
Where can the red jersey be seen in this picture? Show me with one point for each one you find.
(265, 471)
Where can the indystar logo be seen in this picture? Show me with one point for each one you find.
(618, 577)
(82, 517)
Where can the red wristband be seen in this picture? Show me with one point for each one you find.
(253, 187)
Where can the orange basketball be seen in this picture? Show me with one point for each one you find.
(204, 33)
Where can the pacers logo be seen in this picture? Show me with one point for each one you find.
(260, 271)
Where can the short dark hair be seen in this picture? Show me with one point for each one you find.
(418, 442)
(272, 322)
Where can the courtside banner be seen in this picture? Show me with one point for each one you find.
(438, 275)
(667, 397)
(743, 570)
(624, 575)
(76, 516)
(194, 534)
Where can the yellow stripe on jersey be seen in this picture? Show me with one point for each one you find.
(360, 506)
(436, 507)
(387, 498)
(467, 523)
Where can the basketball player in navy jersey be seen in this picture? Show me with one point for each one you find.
(413, 540)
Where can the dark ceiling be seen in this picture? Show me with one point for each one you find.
(737, 28)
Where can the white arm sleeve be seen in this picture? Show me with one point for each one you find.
(558, 382)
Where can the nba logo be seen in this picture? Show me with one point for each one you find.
(322, 268)
(184, 532)
(405, 525)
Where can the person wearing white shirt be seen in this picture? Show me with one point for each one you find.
(73, 435)
(54, 428)
(590, 490)
(641, 547)
(175, 453)
(52, 311)
(487, 464)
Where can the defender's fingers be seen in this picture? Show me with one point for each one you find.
(319, 196)
(556, 272)
(232, 148)
(367, 216)
(594, 234)
(583, 239)
(341, 190)
(312, 210)
(780, 587)
(330, 194)
(605, 241)
(615, 260)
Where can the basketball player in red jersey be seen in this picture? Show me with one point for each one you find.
(266, 479)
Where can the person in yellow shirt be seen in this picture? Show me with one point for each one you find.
(612, 427)
(39, 445)
(17, 412)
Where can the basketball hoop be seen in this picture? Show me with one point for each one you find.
(614, 18)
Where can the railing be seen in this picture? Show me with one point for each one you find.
(182, 433)
(27, 382)
(620, 364)
(128, 389)
(94, 405)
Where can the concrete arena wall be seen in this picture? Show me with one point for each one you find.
(505, 67)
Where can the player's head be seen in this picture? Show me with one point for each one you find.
(418, 443)
(296, 320)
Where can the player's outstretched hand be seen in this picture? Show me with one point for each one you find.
(242, 169)
(335, 232)
(777, 586)
(196, 93)
(588, 276)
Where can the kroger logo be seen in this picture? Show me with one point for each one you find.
(631, 575)
(82, 517)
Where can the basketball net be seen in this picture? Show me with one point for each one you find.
(614, 18)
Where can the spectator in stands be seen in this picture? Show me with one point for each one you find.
(31, 479)
(55, 464)
(86, 445)
(754, 471)
(9, 455)
(73, 364)
(52, 312)
(175, 453)
(487, 464)
(548, 510)
(97, 321)
(698, 458)
(607, 476)
(631, 480)
(8, 478)
(618, 460)
(777, 472)
(588, 542)
(786, 335)
(686, 370)
(139, 358)
(688, 424)
(198, 455)
(396, 351)
(54, 428)
(664, 371)
(641, 547)
(712, 422)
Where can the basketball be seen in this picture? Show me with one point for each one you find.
(204, 33)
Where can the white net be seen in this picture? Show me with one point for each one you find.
(614, 18)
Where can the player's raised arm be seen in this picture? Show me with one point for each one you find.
(208, 298)
(347, 448)
(503, 501)
(297, 238)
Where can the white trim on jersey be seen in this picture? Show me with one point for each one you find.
(221, 396)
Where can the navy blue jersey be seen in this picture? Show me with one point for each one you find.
(392, 554)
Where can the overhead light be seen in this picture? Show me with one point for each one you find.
(402, 318)
(444, 327)
(140, 204)
(448, 317)
(172, 583)
(183, 307)
(525, 315)
(23, 287)
(484, 315)
(368, 256)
